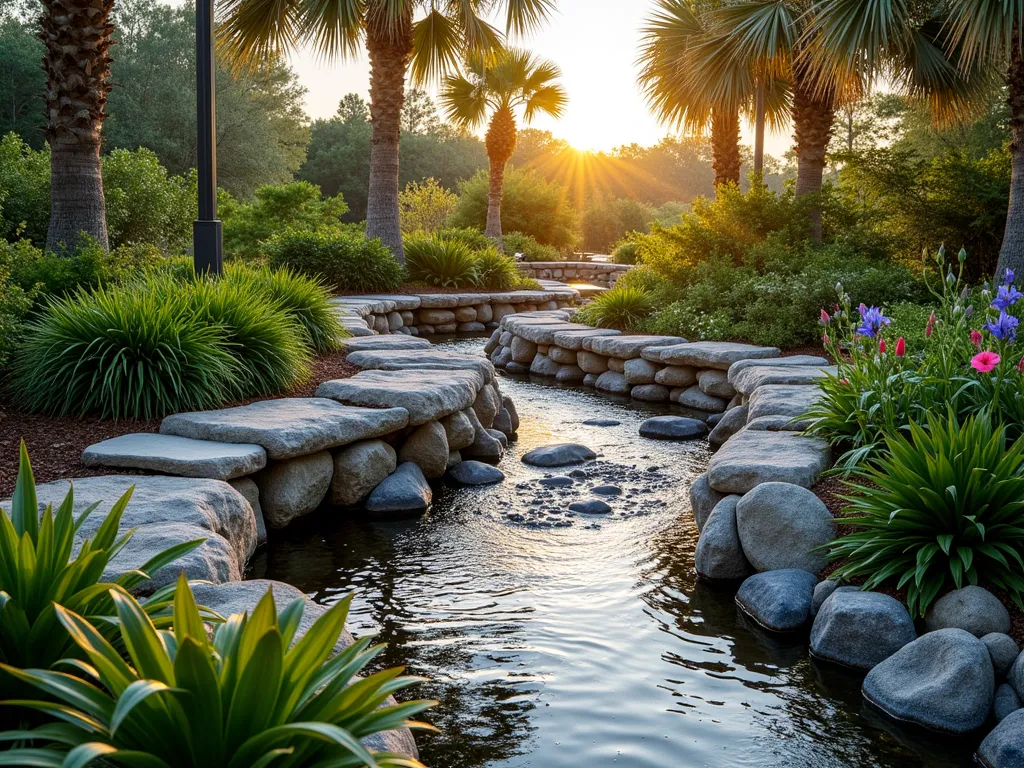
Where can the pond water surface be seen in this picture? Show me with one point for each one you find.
(587, 642)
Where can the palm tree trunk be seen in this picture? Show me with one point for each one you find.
(494, 184)
(725, 146)
(1011, 253)
(501, 143)
(813, 115)
(390, 46)
(76, 36)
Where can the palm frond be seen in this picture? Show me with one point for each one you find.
(463, 102)
(437, 47)
(525, 16)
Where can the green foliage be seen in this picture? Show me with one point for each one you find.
(424, 208)
(346, 262)
(527, 245)
(246, 697)
(24, 190)
(496, 271)
(942, 504)
(529, 204)
(295, 207)
(41, 566)
(621, 307)
(625, 252)
(606, 221)
(15, 303)
(444, 263)
(472, 238)
(23, 85)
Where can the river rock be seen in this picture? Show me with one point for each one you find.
(559, 455)
(562, 356)
(360, 468)
(673, 428)
(650, 393)
(694, 397)
(458, 430)
(823, 591)
(427, 395)
(484, 313)
(781, 525)
(676, 376)
(289, 426)
(601, 423)
(971, 608)
(748, 380)
(1005, 702)
(513, 414)
(523, 351)
(293, 488)
(475, 473)
(753, 457)
(173, 455)
(248, 488)
(502, 358)
(778, 600)
(591, 363)
(710, 354)
(484, 446)
(860, 629)
(789, 400)
(732, 421)
(626, 347)
(639, 371)
(590, 507)
(719, 555)
(436, 316)
(1004, 745)
(613, 382)
(606, 490)
(569, 374)
(943, 681)
(503, 423)
(703, 499)
(404, 491)
(465, 315)
(494, 342)
(500, 437)
(716, 383)
(487, 405)
(1003, 650)
(559, 481)
(617, 365)
(427, 447)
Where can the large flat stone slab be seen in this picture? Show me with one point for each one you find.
(752, 457)
(573, 339)
(626, 347)
(425, 395)
(398, 301)
(387, 341)
(749, 379)
(709, 354)
(421, 359)
(740, 365)
(790, 400)
(175, 455)
(290, 426)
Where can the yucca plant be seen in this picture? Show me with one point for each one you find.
(246, 698)
(942, 504)
(37, 572)
(441, 262)
(624, 308)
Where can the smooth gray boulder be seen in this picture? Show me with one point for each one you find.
(732, 421)
(750, 379)
(484, 446)
(650, 393)
(1005, 702)
(590, 362)
(790, 400)
(614, 382)
(513, 414)
(559, 455)
(289, 426)
(1004, 651)
(753, 457)
(970, 608)
(716, 382)
(626, 347)
(454, 458)
(543, 365)
(1016, 675)
(475, 473)
(523, 351)
(458, 430)
(293, 488)
(360, 468)
(860, 629)
(710, 354)
(1004, 745)
(676, 376)
(487, 405)
(607, 490)
(719, 555)
(390, 341)
(799, 360)
(695, 397)
(173, 455)
(617, 365)
(943, 681)
(426, 395)
(601, 422)
(823, 591)
(427, 447)
(500, 437)
(782, 525)
(703, 499)
(215, 559)
(639, 371)
(503, 423)
(673, 428)
(590, 507)
(404, 491)
(779, 601)
(562, 356)
(569, 374)
(251, 492)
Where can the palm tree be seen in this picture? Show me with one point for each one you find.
(502, 85)
(76, 35)
(428, 47)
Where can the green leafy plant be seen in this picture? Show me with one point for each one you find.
(247, 697)
(444, 263)
(39, 571)
(496, 270)
(527, 245)
(625, 252)
(473, 238)
(624, 308)
(942, 504)
(345, 261)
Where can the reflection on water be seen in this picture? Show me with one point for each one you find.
(587, 645)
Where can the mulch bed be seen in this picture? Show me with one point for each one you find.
(56, 444)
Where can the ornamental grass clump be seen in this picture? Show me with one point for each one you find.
(441, 262)
(622, 307)
(943, 504)
(251, 696)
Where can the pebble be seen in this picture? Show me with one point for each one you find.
(607, 490)
(590, 507)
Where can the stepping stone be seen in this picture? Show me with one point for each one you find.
(590, 507)
(174, 455)
(601, 423)
(749, 379)
(753, 457)
(418, 359)
(543, 332)
(559, 455)
(626, 347)
(739, 365)
(399, 301)
(860, 629)
(404, 491)
(709, 354)
(426, 395)
(475, 473)
(574, 339)
(388, 341)
(289, 426)
(779, 601)
(673, 428)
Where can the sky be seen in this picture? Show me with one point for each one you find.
(595, 44)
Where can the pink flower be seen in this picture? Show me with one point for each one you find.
(983, 362)
(901, 347)
(1020, 366)
(976, 338)
(824, 339)
(881, 346)
(844, 381)
(825, 317)
(929, 329)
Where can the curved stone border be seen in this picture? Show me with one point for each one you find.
(600, 273)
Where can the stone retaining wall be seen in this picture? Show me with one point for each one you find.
(598, 273)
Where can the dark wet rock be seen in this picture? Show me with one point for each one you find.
(713, 419)
(578, 473)
(640, 371)
(970, 608)
(673, 428)
(860, 629)
(1005, 702)
(822, 591)
(731, 422)
(716, 383)
(513, 414)
(650, 393)
(405, 490)
(611, 381)
(514, 367)
(703, 499)
(782, 525)
(360, 468)
(500, 436)
(695, 397)
(590, 507)
(1016, 675)
(943, 681)
(607, 490)
(1004, 746)
(1003, 650)
(556, 482)
(475, 473)
(778, 600)
(559, 455)
(601, 423)
(719, 555)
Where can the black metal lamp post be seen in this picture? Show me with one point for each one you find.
(207, 233)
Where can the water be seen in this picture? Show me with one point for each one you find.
(591, 644)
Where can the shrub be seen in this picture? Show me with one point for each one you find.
(625, 252)
(623, 307)
(497, 271)
(473, 238)
(527, 245)
(942, 504)
(607, 220)
(444, 263)
(14, 305)
(425, 207)
(344, 261)
(24, 190)
(246, 697)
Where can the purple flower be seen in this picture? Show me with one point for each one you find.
(871, 321)
(1009, 276)
(1004, 328)
(1006, 297)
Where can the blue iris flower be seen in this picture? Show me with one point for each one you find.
(1004, 328)
(871, 321)
(1006, 297)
